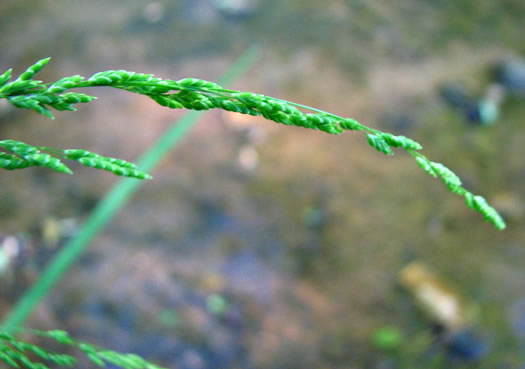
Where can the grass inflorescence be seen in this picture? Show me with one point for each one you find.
(197, 94)
(18, 353)
(21, 155)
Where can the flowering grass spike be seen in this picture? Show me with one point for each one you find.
(14, 352)
(194, 94)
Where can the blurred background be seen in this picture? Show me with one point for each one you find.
(263, 246)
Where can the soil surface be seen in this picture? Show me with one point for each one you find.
(258, 245)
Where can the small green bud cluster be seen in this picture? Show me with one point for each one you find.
(34, 69)
(39, 102)
(26, 93)
(23, 155)
(453, 183)
(479, 204)
(28, 155)
(11, 162)
(14, 352)
(117, 166)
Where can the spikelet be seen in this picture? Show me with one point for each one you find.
(20, 148)
(4, 78)
(48, 161)
(34, 69)
(424, 163)
(490, 214)
(65, 84)
(453, 183)
(117, 166)
(401, 141)
(12, 162)
(75, 98)
(447, 176)
(100, 163)
(76, 154)
(27, 155)
(167, 101)
(379, 143)
(197, 83)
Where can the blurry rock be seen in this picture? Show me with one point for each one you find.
(314, 217)
(9, 250)
(511, 74)
(517, 318)
(153, 12)
(482, 111)
(169, 317)
(237, 9)
(495, 92)
(5, 107)
(440, 302)
(216, 304)
(448, 309)
(54, 230)
(154, 15)
(51, 233)
(456, 95)
(398, 122)
(467, 345)
(487, 111)
(212, 282)
(248, 158)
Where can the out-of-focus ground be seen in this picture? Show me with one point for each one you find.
(258, 245)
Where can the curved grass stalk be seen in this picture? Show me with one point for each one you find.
(197, 94)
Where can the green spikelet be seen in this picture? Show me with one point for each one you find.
(167, 101)
(280, 106)
(34, 69)
(448, 177)
(424, 163)
(100, 163)
(379, 143)
(4, 78)
(12, 162)
(76, 97)
(350, 124)
(13, 353)
(18, 147)
(401, 141)
(30, 102)
(31, 156)
(6, 358)
(197, 83)
(141, 77)
(490, 214)
(235, 106)
(58, 335)
(105, 78)
(64, 84)
(46, 160)
(75, 154)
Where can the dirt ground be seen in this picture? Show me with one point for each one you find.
(258, 245)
